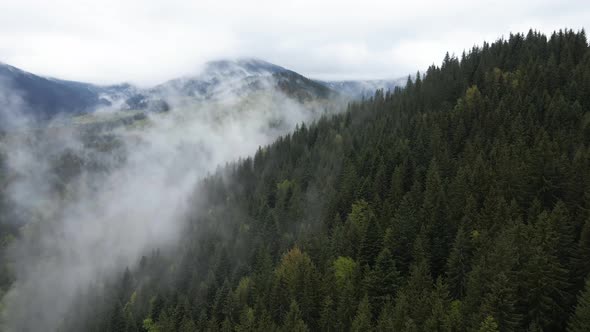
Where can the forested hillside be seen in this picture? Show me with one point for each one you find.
(458, 203)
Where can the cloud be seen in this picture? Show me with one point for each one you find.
(86, 223)
(151, 41)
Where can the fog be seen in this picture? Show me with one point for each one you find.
(149, 41)
(92, 204)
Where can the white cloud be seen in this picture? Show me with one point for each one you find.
(151, 41)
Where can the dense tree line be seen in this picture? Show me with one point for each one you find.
(458, 203)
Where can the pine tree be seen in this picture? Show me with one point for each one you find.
(400, 237)
(544, 278)
(187, 325)
(226, 325)
(293, 321)
(418, 291)
(362, 320)
(386, 322)
(500, 303)
(489, 325)
(455, 320)
(370, 244)
(346, 271)
(296, 279)
(401, 311)
(328, 315)
(580, 320)
(247, 320)
(265, 322)
(118, 322)
(458, 265)
(438, 319)
(581, 258)
(434, 211)
(564, 228)
(383, 280)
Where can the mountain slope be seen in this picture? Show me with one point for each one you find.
(458, 201)
(363, 88)
(233, 78)
(43, 98)
(46, 97)
(92, 172)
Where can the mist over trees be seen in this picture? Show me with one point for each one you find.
(457, 203)
(460, 202)
(83, 199)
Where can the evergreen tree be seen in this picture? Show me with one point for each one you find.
(386, 322)
(118, 321)
(581, 257)
(383, 280)
(458, 265)
(328, 315)
(489, 325)
(501, 304)
(362, 320)
(293, 321)
(438, 320)
(580, 321)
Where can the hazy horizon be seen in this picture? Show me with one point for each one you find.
(198, 69)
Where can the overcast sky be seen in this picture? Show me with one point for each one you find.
(148, 41)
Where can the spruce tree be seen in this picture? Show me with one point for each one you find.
(293, 321)
(362, 320)
(580, 320)
(458, 264)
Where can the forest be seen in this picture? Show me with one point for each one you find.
(460, 202)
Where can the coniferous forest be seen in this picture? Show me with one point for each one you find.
(460, 202)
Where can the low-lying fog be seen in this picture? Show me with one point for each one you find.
(93, 203)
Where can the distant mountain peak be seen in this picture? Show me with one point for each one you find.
(246, 62)
(239, 67)
(46, 97)
(232, 74)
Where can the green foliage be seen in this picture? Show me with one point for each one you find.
(362, 320)
(386, 322)
(383, 281)
(580, 321)
(457, 203)
(328, 315)
(293, 321)
(489, 325)
(344, 271)
(500, 303)
(458, 264)
(150, 326)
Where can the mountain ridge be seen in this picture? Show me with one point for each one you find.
(46, 97)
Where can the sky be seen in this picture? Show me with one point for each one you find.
(147, 41)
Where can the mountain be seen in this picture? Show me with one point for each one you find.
(459, 202)
(218, 77)
(363, 88)
(225, 79)
(44, 97)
